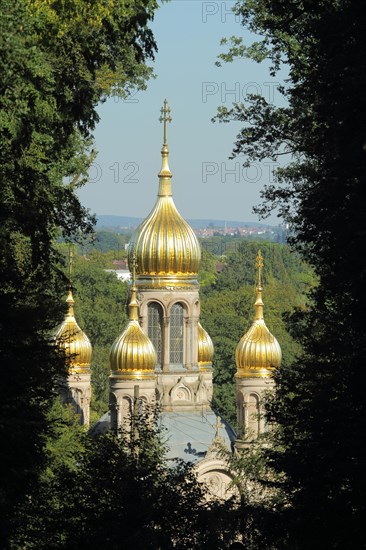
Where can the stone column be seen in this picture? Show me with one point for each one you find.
(165, 352)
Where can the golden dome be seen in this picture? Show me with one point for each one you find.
(205, 348)
(258, 352)
(133, 354)
(74, 341)
(165, 245)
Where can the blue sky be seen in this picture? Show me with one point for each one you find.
(206, 184)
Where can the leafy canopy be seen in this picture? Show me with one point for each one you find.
(59, 60)
(319, 404)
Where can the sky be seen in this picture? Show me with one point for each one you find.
(206, 184)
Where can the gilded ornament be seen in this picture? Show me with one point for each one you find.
(205, 348)
(258, 352)
(74, 341)
(167, 250)
(132, 354)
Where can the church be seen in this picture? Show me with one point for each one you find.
(163, 358)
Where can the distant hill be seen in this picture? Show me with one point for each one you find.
(201, 224)
(117, 221)
(109, 222)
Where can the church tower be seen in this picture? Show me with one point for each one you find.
(133, 361)
(168, 255)
(257, 355)
(76, 388)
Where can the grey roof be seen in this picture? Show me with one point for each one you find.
(102, 426)
(187, 435)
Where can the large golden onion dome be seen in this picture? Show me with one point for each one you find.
(258, 352)
(133, 355)
(74, 341)
(166, 247)
(205, 348)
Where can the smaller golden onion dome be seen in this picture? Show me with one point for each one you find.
(258, 352)
(133, 354)
(74, 341)
(165, 245)
(205, 348)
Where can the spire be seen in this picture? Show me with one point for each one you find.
(70, 299)
(258, 351)
(165, 175)
(71, 264)
(258, 306)
(132, 354)
(71, 338)
(70, 304)
(167, 250)
(133, 306)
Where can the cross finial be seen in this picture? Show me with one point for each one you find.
(71, 261)
(70, 299)
(165, 117)
(259, 266)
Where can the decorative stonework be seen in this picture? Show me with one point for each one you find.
(76, 390)
(123, 394)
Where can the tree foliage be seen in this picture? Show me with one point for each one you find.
(101, 311)
(110, 492)
(58, 60)
(319, 404)
(228, 309)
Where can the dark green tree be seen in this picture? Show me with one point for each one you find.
(112, 492)
(320, 192)
(58, 60)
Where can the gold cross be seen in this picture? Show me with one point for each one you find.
(259, 266)
(165, 117)
(71, 261)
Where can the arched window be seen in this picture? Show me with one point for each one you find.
(176, 334)
(75, 396)
(154, 327)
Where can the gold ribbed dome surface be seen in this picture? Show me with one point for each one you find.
(164, 244)
(132, 354)
(73, 340)
(205, 347)
(258, 352)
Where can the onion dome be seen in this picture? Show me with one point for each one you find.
(74, 341)
(166, 247)
(132, 354)
(205, 348)
(258, 352)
